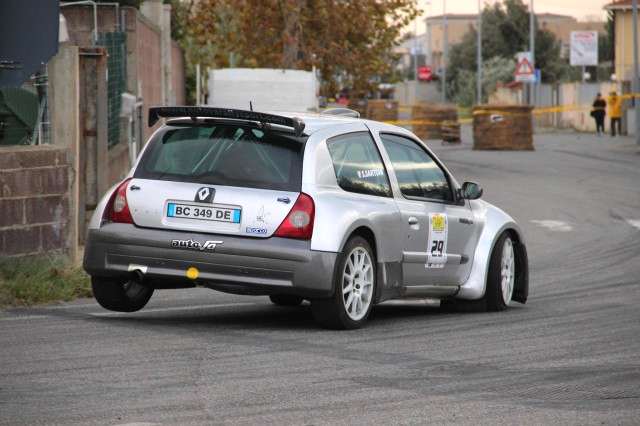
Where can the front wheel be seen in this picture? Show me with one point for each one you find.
(502, 273)
(354, 284)
(121, 295)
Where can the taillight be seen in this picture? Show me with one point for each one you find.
(299, 222)
(118, 208)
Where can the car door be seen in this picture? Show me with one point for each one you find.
(438, 228)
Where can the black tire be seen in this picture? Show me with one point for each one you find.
(285, 299)
(332, 313)
(121, 295)
(493, 296)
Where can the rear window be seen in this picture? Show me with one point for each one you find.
(233, 155)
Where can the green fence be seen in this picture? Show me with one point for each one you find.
(115, 43)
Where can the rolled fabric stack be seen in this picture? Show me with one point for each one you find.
(450, 131)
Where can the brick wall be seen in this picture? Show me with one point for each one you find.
(178, 74)
(34, 200)
(148, 68)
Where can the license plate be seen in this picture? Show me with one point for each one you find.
(193, 211)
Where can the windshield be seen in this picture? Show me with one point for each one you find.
(224, 154)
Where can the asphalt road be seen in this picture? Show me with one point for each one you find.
(571, 355)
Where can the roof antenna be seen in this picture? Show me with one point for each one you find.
(250, 106)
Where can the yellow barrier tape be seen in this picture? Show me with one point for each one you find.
(488, 111)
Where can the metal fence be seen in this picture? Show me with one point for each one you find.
(115, 43)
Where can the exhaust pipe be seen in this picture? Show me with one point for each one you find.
(137, 276)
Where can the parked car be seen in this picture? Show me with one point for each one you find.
(341, 211)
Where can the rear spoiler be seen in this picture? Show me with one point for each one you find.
(155, 113)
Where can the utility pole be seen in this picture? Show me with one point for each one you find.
(532, 47)
(479, 58)
(636, 77)
(445, 50)
(415, 53)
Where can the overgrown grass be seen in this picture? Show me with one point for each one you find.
(25, 282)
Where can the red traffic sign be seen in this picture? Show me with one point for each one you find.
(425, 73)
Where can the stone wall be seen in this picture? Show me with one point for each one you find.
(34, 200)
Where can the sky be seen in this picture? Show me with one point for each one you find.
(581, 9)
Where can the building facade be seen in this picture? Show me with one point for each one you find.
(623, 19)
(457, 26)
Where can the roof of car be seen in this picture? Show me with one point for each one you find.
(317, 121)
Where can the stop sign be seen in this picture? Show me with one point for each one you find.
(425, 73)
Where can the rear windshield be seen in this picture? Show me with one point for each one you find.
(224, 154)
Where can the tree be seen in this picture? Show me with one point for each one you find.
(494, 70)
(505, 32)
(606, 42)
(349, 42)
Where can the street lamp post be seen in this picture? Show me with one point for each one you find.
(479, 58)
(532, 47)
(636, 77)
(445, 50)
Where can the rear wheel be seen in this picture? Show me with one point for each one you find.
(502, 273)
(121, 295)
(285, 299)
(354, 283)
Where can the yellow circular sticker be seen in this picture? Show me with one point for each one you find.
(192, 273)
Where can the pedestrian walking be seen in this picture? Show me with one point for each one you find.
(598, 113)
(615, 112)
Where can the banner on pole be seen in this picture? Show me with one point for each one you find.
(584, 48)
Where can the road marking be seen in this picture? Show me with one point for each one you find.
(23, 317)
(554, 225)
(173, 308)
(634, 222)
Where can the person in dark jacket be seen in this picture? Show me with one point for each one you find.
(598, 113)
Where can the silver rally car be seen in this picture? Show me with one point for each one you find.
(341, 211)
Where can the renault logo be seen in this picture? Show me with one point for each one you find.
(205, 195)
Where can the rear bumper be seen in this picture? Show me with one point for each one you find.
(237, 265)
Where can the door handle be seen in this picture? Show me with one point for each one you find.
(413, 220)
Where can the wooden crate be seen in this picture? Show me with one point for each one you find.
(430, 118)
(503, 127)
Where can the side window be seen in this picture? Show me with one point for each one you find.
(418, 175)
(358, 165)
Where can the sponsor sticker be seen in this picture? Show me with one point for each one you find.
(437, 241)
(208, 245)
(363, 174)
(255, 230)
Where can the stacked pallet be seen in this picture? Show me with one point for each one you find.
(428, 119)
(382, 110)
(450, 131)
(502, 127)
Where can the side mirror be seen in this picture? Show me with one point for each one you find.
(471, 191)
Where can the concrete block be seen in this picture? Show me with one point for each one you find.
(54, 236)
(11, 212)
(21, 240)
(46, 209)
